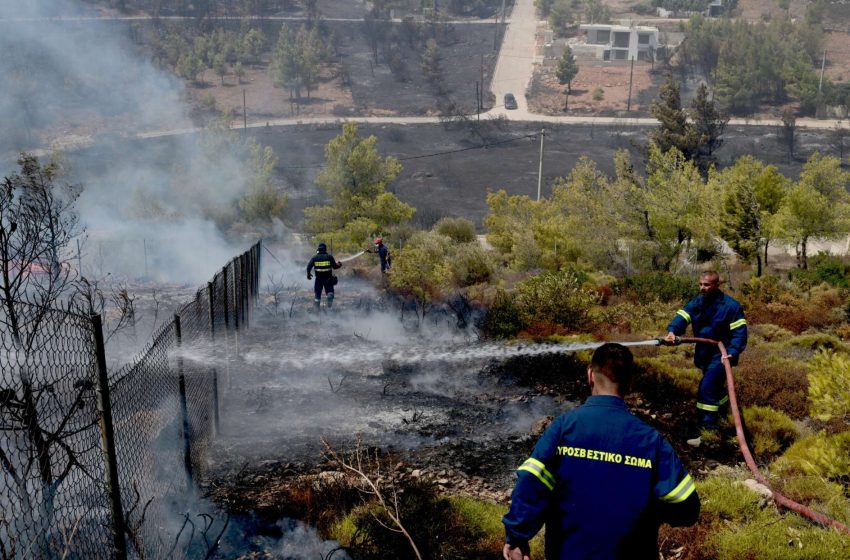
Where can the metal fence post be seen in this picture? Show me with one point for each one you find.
(184, 407)
(225, 300)
(210, 296)
(235, 264)
(107, 441)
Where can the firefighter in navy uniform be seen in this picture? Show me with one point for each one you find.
(600, 479)
(324, 264)
(717, 316)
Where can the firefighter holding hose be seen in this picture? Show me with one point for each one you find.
(324, 264)
(600, 479)
(716, 316)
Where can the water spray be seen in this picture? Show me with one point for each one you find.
(351, 258)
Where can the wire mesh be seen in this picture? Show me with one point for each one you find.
(53, 495)
(52, 492)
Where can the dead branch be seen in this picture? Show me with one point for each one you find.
(355, 465)
(339, 384)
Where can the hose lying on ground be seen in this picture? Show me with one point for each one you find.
(781, 500)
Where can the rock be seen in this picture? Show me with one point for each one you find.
(416, 473)
(540, 426)
(757, 487)
(442, 481)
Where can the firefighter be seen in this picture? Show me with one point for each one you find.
(383, 254)
(717, 316)
(601, 480)
(324, 265)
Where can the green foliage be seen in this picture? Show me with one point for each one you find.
(483, 522)
(829, 385)
(661, 286)
(596, 11)
(659, 372)
(771, 431)
(263, 201)
(470, 264)
(817, 206)
(740, 527)
(723, 496)
(827, 456)
(567, 68)
(820, 494)
(295, 61)
(674, 130)
(503, 318)
(355, 179)
(598, 94)
(755, 63)
(560, 15)
(557, 297)
(421, 270)
(459, 230)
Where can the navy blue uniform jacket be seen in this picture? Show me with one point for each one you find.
(603, 482)
(718, 317)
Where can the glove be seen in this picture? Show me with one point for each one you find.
(309, 276)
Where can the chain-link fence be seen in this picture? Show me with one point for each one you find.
(98, 464)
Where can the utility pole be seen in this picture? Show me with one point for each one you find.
(477, 103)
(631, 73)
(481, 91)
(244, 112)
(503, 12)
(540, 166)
(822, 66)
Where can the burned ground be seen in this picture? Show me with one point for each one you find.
(438, 404)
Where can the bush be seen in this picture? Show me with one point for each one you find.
(827, 456)
(764, 378)
(761, 289)
(441, 527)
(598, 94)
(771, 431)
(503, 319)
(823, 495)
(829, 386)
(470, 265)
(823, 268)
(460, 230)
(657, 286)
(557, 297)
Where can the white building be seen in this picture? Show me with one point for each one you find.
(619, 42)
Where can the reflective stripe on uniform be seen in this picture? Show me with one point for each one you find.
(684, 315)
(735, 324)
(681, 492)
(538, 469)
(322, 266)
(713, 407)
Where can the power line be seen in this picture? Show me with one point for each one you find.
(422, 156)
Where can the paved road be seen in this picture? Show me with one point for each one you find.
(515, 65)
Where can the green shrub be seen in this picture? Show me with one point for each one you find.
(503, 319)
(817, 341)
(740, 527)
(769, 332)
(556, 297)
(722, 495)
(771, 431)
(658, 372)
(762, 289)
(483, 520)
(821, 455)
(829, 386)
(818, 493)
(769, 535)
(471, 264)
(460, 230)
(598, 94)
(823, 268)
(657, 286)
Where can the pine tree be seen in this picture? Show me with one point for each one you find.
(674, 130)
(708, 121)
(565, 72)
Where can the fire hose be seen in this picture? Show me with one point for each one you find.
(778, 498)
